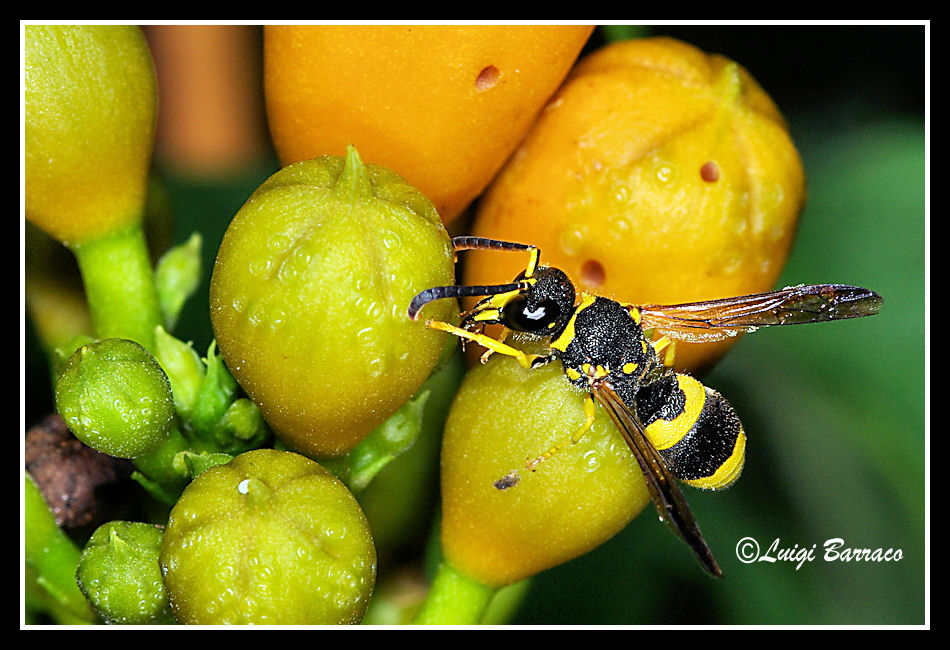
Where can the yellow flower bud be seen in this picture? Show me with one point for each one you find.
(309, 296)
(501, 522)
(90, 115)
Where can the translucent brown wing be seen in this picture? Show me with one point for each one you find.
(664, 490)
(714, 320)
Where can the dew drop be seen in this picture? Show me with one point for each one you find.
(664, 173)
(591, 460)
(572, 239)
(376, 367)
(278, 243)
(375, 310)
(365, 336)
(260, 267)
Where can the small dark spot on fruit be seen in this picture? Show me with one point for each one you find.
(487, 78)
(593, 274)
(510, 479)
(710, 172)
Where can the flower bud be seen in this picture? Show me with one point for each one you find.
(177, 275)
(120, 576)
(115, 398)
(241, 428)
(502, 522)
(443, 106)
(656, 174)
(183, 367)
(309, 297)
(90, 114)
(270, 537)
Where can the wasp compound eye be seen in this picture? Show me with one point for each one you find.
(522, 316)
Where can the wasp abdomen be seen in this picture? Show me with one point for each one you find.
(695, 430)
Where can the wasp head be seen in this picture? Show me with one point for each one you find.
(541, 304)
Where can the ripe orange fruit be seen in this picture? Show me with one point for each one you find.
(443, 106)
(656, 174)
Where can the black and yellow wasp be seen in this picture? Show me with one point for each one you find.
(676, 427)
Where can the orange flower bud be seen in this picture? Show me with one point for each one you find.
(442, 106)
(657, 174)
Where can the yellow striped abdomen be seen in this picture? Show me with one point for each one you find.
(695, 430)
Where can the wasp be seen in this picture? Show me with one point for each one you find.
(622, 356)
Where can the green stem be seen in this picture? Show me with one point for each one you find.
(52, 555)
(120, 287)
(159, 467)
(454, 599)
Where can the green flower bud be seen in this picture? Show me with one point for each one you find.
(194, 462)
(184, 369)
(214, 396)
(177, 276)
(115, 398)
(120, 575)
(271, 537)
(241, 428)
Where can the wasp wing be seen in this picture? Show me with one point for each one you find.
(715, 320)
(669, 500)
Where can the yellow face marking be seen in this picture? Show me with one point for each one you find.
(666, 433)
(535, 256)
(487, 314)
(572, 374)
(491, 308)
(629, 368)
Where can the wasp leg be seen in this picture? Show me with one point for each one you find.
(666, 350)
(525, 359)
(589, 414)
(489, 351)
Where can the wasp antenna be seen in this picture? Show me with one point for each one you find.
(470, 242)
(456, 291)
